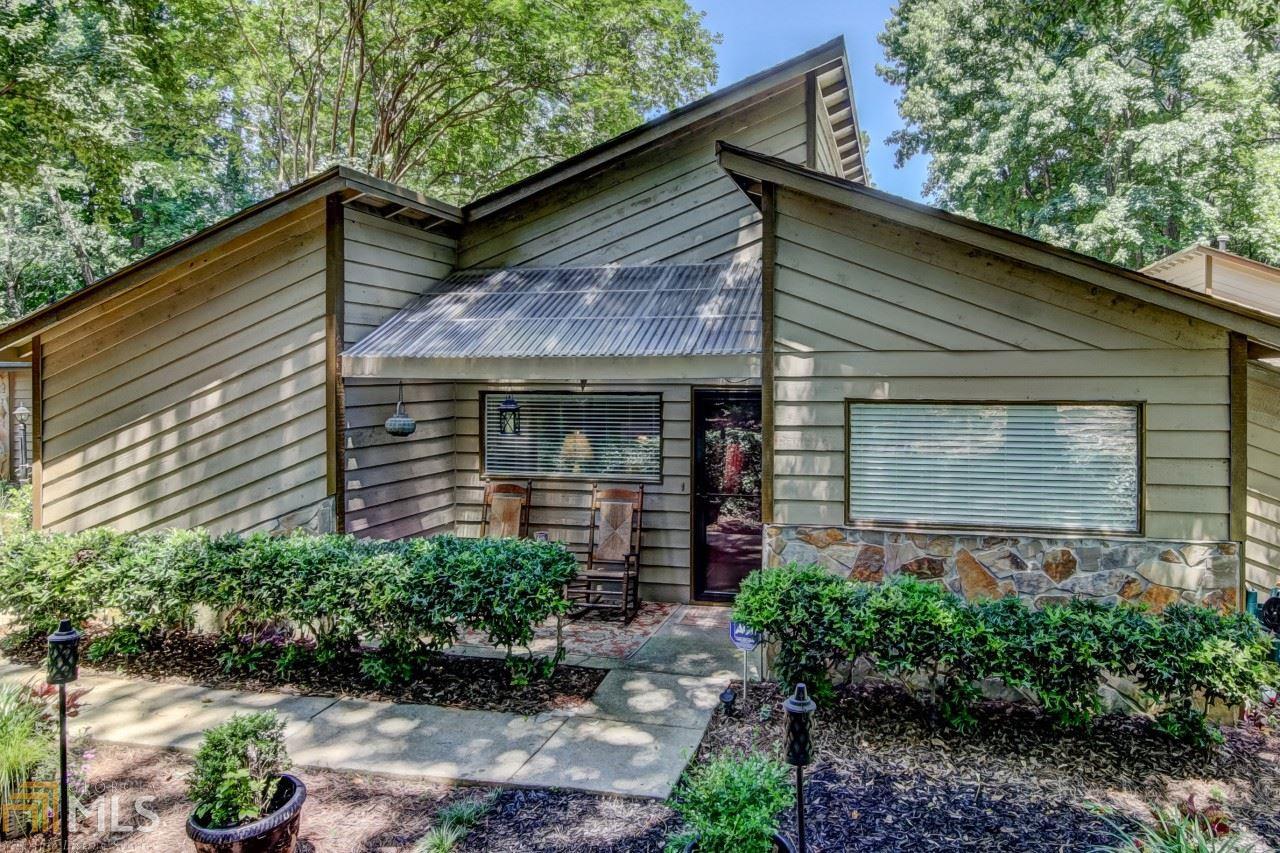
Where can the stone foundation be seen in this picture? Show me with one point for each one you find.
(1041, 570)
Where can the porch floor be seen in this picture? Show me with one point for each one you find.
(633, 737)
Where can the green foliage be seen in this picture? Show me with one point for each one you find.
(942, 648)
(453, 823)
(1125, 130)
(15, 510)
(731, 804)
(815, 617)
(237, 769)
(1173, 831)
(26, 740)
(128, 126)
(334, 590)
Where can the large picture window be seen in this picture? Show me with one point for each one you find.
(1065, 466)
(586, 436)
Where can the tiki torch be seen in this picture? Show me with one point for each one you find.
(64, 664)
(799, 748)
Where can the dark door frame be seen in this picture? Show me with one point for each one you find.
(698, 393)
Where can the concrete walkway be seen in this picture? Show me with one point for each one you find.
(632, 738)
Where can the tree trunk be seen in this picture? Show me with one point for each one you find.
(73, 235)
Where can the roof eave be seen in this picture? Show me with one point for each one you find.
(749, 167)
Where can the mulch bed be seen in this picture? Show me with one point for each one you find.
(440, 679)
(885, 779)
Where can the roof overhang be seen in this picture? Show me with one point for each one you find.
(751, 170)
(354, 188)
(1220, 256)
(828, 60)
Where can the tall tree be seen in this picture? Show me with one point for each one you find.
(455, 97)
(1121, 128)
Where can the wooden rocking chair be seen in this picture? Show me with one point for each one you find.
(611, 580)
(506, 511)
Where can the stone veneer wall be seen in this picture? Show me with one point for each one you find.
(1039, 569)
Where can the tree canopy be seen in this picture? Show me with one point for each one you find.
(1125, 129)
(127, 124)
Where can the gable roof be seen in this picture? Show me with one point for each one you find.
(828, 61)
(750, 168)
(575, 312)
(387, 199)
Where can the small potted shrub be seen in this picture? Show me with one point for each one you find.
(244, 800)
(731, 804)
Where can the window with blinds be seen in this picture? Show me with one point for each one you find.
(588, 436)
(1070, 467)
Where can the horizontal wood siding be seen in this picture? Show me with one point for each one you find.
(198, 398)
(399, 487)
(561, 507)
(868, 308)
(670, 204)
(1262, 523)
(387, 265)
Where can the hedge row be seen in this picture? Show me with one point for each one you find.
(943, 648)
(339, 590)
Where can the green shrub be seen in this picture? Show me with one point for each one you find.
(237, 769)
(812, 615)
(337, 590)
(942, 648)
(1194, 657)
(15, 510)
(1173, 831)
(731, 804)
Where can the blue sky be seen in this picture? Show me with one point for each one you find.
(760, 33)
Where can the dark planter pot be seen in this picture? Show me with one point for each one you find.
(275, 833)
(781, 844)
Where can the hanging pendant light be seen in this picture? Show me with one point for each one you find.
(400, 424)
(509, 416)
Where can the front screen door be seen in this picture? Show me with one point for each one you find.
(727, 534)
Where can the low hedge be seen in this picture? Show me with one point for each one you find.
(943, 648)
(337, 590)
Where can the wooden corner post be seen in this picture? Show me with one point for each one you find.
(37, 435)
(768, 265)
(1238, 366)
(335, 303)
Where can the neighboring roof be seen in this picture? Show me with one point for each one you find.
(750, 168)
(1199, 250)
(577, 312)
(387, 199)
(828, 60)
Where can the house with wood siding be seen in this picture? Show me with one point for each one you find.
(714, 306)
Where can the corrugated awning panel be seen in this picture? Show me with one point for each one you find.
(657, 310)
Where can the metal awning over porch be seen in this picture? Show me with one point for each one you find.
(653, 311)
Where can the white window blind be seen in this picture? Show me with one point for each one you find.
(1009, 466)
(618, 436)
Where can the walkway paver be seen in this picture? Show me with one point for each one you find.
(632, 738)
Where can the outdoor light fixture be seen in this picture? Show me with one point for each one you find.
(509, 416)
(64, 667)
(22, 414)
(400, 424)
(727, 700)
(798, 748)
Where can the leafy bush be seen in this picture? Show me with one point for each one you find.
(814, 617)
(336, 590)
(942, 648)
(15, 510)
(237, 770)
(731, 804)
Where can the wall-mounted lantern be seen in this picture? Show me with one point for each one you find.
(509, 416)
(400, 424)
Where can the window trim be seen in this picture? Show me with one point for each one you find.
(1140, 532)
(486, 474)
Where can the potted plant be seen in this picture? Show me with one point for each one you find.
(244, 800)
(731, 804)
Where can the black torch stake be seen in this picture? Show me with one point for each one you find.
(799, 748)
(64, 665)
